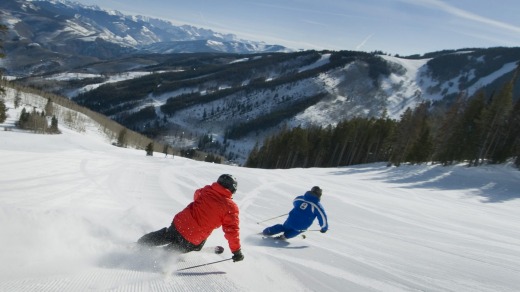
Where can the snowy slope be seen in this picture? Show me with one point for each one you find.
(71, 204)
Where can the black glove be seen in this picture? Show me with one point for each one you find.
(323, 230)
(237, 256)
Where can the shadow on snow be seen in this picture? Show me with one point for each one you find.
(495, 183)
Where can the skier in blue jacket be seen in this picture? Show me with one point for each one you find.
(306, 209)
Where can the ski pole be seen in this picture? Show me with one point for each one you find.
(272, 218)
(204, 264)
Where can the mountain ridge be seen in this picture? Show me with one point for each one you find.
(65, 28)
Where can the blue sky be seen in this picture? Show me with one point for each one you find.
(401, 27)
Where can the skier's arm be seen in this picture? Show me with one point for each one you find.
(322, 218)
(230, 226)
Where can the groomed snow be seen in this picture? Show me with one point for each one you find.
(72, 204)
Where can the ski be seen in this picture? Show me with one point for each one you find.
(281, 237)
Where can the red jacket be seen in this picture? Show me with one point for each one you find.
(211, 208)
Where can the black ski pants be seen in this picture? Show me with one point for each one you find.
(171, 238)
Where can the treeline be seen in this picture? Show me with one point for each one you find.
(474, 130)
(37, 122)
(356, 141)
(74, 115)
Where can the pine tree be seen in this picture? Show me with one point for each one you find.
(38, 122)
(494, 123)
(422, 148)
(253, 157)
(3, 30)
(470, 129)
(149, 149)
(447, 144)
(514, 135)
(508, 133)
(122, 138)
(296, 148)
(24, 118)
(49, 108)
(379, 149)
(17, 99)
(165, 150)
(3, 111)
(54, 126)
(402, 139)
(319, 143)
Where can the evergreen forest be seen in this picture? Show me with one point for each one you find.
(478, 129)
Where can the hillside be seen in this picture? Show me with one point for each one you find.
(71, 204)
(233, 99)
(239, 100)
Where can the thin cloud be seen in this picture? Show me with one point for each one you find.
(298, 9)
(465, 14)
(315, 23)
(362, 44)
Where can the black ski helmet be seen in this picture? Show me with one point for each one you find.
(317, 191)
(229, 182)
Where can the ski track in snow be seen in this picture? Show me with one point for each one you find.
(121, 280)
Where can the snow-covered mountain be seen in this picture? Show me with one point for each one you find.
(72, 204)
(65, 28)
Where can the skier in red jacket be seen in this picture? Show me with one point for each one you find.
(211, 208)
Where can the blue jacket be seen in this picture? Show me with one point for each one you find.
(306, 209)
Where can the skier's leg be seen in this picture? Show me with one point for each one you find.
(179, 243)
(155, 238)
(198, 247)
(290, 233)
(275, 229)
